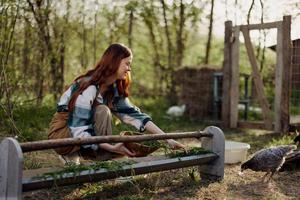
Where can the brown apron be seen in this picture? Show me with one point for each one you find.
(59, 129)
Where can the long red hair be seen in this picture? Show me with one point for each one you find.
(106, 67)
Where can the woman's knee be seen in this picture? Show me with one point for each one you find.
(102, 111)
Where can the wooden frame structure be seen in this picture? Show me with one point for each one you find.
(230, 88)
(13, 179)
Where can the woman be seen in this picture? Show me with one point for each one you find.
(92, 97)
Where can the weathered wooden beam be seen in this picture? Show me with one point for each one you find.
(267, 25)
(104, 174)
(286, 73)
(278, 79)
(227, 73)
(266, 112)
(50, 144)
(235, 80)
(11, 166)
(283, 75)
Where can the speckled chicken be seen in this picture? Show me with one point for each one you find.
(268, 160)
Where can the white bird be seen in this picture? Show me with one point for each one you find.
(176, 111)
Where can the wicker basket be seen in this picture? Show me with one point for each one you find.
(139, 148)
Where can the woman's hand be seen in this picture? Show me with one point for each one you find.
(117, 148)
(121, 149)
(175, 145)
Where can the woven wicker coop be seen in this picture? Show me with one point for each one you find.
(195, 89)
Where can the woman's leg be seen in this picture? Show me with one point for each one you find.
(102, 121)
(102, 124)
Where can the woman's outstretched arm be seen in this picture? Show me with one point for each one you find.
(154, 129)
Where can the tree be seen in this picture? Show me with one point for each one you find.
(8, 18)
(210, 28)
(130, 8)
(41, 10)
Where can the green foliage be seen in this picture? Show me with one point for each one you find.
(90, 189)
(74, 169)
(286, 139)
(31, 122)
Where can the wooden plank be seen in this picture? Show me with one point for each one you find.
(286, 73)
(251, 125)
(104, 174)
(258, 81)
(49, 144)
(215, 144)
(28, 174)
(226, 75)
(278, 79)
(267, 25)
(283, 76)
(234, 91)
(11, 169)
(3, 168)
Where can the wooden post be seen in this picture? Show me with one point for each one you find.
(278, 79)
(217, 145)
(258, 80)
(283, 75)
(11, 166)
(286, 74)
(226, 75)
(234, 85)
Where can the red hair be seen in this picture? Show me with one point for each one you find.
(107, 66)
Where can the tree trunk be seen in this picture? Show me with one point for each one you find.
(158, 67)
(83, 54)
(180, 44)
(95, 39)
(42, 17)
(168, 76)
(26, 50)
(249, 12)
(131, 17)
(167, 33)
(208, 44)
(38, 88)
(8, 22)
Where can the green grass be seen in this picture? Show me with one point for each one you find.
(156, 108)
(29, 122)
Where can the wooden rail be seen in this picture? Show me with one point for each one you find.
(127, 170)
(49, 144)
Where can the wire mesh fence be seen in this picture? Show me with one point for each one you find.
(295, 83)
(195, 89)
